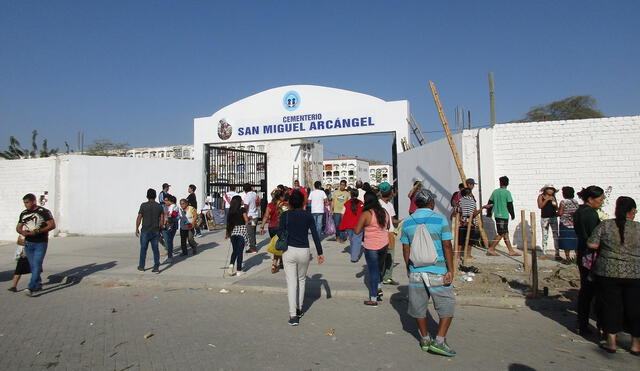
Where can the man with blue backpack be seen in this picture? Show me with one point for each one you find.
(428, 255)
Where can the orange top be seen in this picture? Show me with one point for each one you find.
(375, 236)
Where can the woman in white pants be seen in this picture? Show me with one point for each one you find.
(298, 223)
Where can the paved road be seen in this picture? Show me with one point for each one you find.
(90, 326)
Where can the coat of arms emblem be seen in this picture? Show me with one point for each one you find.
(224, 130)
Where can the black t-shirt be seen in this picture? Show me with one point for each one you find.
(151, 212)
(191, 198)
(35, 219)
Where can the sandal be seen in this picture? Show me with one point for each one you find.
(515, 253)
(274, 267)
(492, 253)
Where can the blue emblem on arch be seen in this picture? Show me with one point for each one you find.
(291, 100)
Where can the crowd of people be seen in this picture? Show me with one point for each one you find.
(607, 251)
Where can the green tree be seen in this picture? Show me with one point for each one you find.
(15, 150)
(105, 147)
(572, 108)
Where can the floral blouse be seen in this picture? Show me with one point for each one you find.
(617, 260)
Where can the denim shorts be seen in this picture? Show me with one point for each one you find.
(444, 300)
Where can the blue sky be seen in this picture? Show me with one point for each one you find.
(140, 71)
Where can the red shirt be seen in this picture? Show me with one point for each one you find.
(413, 207)
(349, 219)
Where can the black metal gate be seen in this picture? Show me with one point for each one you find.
(227, 167)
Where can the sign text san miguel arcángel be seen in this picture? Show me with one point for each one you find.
(300, 123)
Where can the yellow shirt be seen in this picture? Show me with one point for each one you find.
(338, 198)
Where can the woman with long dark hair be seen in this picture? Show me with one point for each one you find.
(298, 223)
(548, 205)
(375, 223)
(617, 271)
(352, 211)
(585, 220)
(237, 232)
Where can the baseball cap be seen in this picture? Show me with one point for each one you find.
(165, 185)
(425, 195)
(471, 181)
(384, 187)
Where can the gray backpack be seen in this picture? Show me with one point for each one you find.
(423, 250)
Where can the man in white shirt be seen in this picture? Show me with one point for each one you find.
(251, 201)
(227, 201)
(361, 191)
(386, 200)
(318, 200)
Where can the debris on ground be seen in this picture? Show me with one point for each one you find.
(242, 291)
(331, 332)
(148, 335)
(389, 333)
(211, 345)
(224, 291)
(113, 310)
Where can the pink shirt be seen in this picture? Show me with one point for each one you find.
(375, 236)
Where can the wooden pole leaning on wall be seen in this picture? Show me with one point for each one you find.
(454, 152)
(456, 250)
(467, 248)
(525, 253)
(534, 258)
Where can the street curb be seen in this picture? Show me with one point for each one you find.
(239, 287)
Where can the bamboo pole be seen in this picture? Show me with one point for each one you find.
(454, 151)
(525, 253)
(534, 258)
(456, 251)
(466, 242)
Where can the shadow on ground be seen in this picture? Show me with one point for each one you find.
(72, 277)
(400, 302)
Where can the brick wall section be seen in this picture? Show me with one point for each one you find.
(17, 178)
(577, 153)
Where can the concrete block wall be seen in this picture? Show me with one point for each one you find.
(89, 194)
(17, 178)
(575, 153)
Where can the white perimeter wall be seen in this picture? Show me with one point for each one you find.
(17, 178)
(89, 194)
(577, 153)
(434, 165)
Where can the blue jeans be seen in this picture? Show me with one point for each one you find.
(337, 218)
(237, 247)
(35, 252)
(168, 239)
(355, 244)
(145, 238)
(375, 260)
(317, 217)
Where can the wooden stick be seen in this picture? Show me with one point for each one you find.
(456, 251)
(454, 152)
(483, 233)
(466, 242)
(525, 254)
(534, 258)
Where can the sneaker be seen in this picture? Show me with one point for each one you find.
(442, 349)
(230, 270)
(141, 269)
(240, 273)
(251, 251)
(155, 270)
(294, 321)
(199, 235)
(299, 312)
(371, 303)
(425, 344)
(390, 281)
(28, 292)
(12, 289)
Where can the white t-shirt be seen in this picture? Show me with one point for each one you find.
(227, 198)
(361, 193)
(392, 212)
(249, 200)
(317, 198)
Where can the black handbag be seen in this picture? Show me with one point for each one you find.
(283, 238)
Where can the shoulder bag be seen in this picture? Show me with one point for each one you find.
(283, 238)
